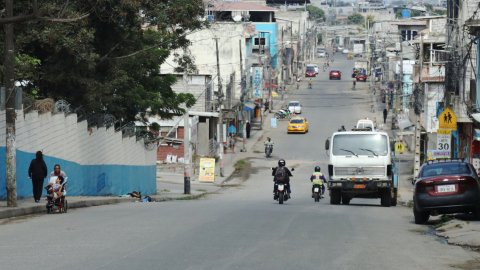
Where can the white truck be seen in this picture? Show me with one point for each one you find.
(357, 50)
(361, 166)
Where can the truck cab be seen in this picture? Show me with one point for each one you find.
(360, 166)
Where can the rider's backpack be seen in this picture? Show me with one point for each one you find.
(280, 174)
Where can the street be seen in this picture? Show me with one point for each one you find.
(242, 227)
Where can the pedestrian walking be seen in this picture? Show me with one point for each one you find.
(232, 144)
(248, 130)
(37, 172)
(385, 113)
(354, 83)
(298, 84)
(267, 104)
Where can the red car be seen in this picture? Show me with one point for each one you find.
(361, 77)
(310, 72)
(446, 187)
(335, 74)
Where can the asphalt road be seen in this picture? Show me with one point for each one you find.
(242, 227)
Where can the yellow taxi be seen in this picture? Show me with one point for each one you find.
(298, 125)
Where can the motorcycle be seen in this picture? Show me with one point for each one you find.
(317, 192)
(281, 195)
(268, 150)
(284, 114)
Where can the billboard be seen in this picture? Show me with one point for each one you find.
(258, 82)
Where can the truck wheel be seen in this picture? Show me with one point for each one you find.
(420, 217)
(335, 196)
(385, 199)
(345, 199)
(394, 199)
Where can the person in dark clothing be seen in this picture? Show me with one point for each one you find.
(37, 172)
(248, 130)
(385, 112)
(281, 163)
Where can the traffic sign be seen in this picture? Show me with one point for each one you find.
(400, 147)
(447, 120)
(444, 137)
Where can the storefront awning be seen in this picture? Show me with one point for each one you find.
(476, 134)
(249, 107)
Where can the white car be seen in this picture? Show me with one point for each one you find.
(321, 53)
(345, 51)
(294, 106)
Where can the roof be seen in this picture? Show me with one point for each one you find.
(241, 6)
(409, 23)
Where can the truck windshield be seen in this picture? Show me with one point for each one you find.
(359, 143)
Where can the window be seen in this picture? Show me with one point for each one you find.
(344, 145)
(297, 121)
(164, 131)
(259, 41)
(445, 169)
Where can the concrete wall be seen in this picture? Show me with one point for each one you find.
(433, 95)
(96, 161)
(196, 85)
(296, 17)
(204, 52)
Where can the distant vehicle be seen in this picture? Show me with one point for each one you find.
(446, 187)
(335, 74)
(315, 66)
(345, 51)
(357, 50)
(339, 48)
(361, 77)
(366, 123)
(295, 107)
(310, 72)
(321, 53)
(298, 125)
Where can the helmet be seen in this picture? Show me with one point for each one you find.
(317, 169)
(281, 163)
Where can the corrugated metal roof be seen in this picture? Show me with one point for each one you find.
(241, 6)
(410, 23)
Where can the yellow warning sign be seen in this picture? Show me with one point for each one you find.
(400, 147)
(447, 120)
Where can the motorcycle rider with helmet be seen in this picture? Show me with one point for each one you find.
(281, 168)
(269, 143)
(316, 177)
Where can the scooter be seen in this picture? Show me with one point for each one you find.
(281, 195)
(268, 150)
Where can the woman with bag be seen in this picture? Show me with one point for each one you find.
(37, 172)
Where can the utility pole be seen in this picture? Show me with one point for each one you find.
(417, 122)
(242, 98)
(283, 77)
(220, 115)
(11, 161)
(186, 144)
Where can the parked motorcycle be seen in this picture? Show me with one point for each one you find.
(281, 195)
(283, 114)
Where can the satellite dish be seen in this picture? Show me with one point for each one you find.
(237, 18)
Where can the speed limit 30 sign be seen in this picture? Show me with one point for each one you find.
(444, 137)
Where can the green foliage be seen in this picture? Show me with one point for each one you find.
(155, 126)
(442, 12)
(370, 19)
(428, 6)
(356, 18)
(316, 13)
(110, 61)
(351, 33)
(335, 22)
(320, 38)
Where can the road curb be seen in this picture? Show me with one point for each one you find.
(408, 204)
(17, 212)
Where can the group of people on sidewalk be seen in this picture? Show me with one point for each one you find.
(37, 172)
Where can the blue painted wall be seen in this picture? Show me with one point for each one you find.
(273, 27)
(86, 180)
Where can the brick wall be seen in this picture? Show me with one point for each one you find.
(163, 151)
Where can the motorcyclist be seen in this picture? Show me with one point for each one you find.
(269, 143)
(286, 180)
(317, 178)
(328, 63)
(310, 83)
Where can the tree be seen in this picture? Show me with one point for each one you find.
(109, 61)
(356, 18)
(370, 19)
(429, 7)
(335, 22)
(316, 13)
(442, 12)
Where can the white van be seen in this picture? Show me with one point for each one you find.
(314, 66)
(366, 123)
